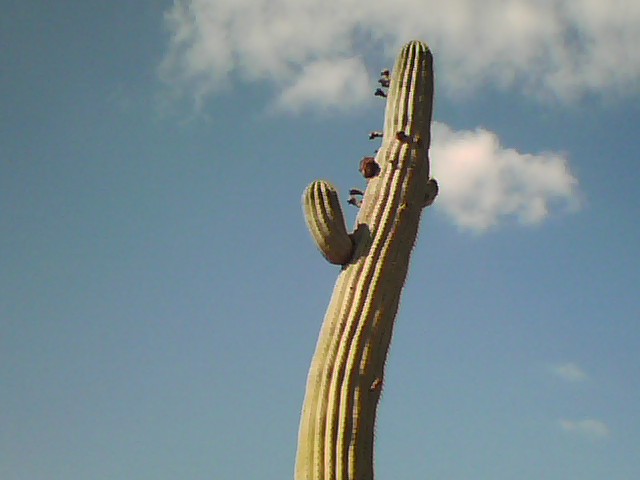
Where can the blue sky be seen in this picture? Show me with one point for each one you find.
(160, 297)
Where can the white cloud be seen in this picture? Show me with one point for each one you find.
(557, 48)
(569, 372)
(482, 182)
(590, 428)
(312, 52)
(328, 84)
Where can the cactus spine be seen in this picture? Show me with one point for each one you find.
(345, 379)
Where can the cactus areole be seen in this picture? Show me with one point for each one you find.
(345, 380)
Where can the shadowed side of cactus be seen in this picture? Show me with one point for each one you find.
(345, 379)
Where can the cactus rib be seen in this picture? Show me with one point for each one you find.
(343, 387)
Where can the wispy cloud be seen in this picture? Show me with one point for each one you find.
(483, 182)
(569, 372)
(558, 48)
(590, 428)
(327, 84)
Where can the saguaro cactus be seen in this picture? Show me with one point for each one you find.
(346, 375)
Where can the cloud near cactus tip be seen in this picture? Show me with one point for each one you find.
(483, 183)
(309, 51)
(557, 48)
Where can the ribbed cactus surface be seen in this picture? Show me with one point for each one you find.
(326, 223)
(346, 375)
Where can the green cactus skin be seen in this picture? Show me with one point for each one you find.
(345, 379)
(325, 221)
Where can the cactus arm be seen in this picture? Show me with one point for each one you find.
(347, 371)
(325, 221)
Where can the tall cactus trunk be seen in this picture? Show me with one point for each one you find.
(345, 379)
